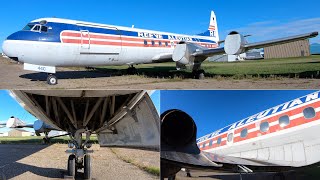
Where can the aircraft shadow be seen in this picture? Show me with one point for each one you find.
(167, 72)
(65, 75)
(10, 167)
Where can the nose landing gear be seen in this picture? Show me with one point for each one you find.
(79, 158)
(52, 79)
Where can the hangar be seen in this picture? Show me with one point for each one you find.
(299, 48)
(19, 133)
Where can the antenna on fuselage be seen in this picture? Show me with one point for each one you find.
(132, 26)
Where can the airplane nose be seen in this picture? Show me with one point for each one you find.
(9, 50)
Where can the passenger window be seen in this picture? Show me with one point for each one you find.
(219, 140)
(244, 133)
(153, 43)
(210, 143)
(284, 121)
(145, 42)
(309, 113)
(204, 145)
(264, 127)
(167, 44)
(44, 29)
(230, 137)
(160, 43)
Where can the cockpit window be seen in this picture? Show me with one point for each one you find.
(28, 27)
(36, 28)
(44, 29)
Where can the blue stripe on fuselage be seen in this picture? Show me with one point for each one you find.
(53, 35)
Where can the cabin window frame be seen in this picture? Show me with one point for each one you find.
(266, 130)
(313, 111)
(284, 124)
(36, 25)
(246, 134)
(230, 140)
(219, 140)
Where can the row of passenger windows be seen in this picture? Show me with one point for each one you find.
(284, 121)
(153, 43)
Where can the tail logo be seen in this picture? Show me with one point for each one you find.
(212, 34)
(212, 27)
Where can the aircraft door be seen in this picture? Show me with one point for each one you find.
(85, 40)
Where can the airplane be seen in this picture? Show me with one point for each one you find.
(38, 126)
(281, 138)
(47, 43)
(122, 118)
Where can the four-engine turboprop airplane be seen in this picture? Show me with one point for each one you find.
(284, 137)
(47, 43)
(124, 118)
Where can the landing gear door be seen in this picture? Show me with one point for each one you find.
(139, 127)
(85, 40)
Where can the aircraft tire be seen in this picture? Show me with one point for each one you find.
(198, 74)
(72, 165)
(87, 167)
(52, 79)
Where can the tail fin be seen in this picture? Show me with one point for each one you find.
(212, 32)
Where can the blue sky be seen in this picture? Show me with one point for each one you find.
(264, 20)
(10, 107)
(212, 110)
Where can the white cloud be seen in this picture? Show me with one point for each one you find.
(274, 29)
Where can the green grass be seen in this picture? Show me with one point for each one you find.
(302, 67)
(39, 140)
(149, 169)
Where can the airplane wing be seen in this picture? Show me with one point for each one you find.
(211, 161)
(190, 54)
(236, 44)
(2, 125)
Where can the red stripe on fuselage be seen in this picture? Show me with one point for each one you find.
(272, 129)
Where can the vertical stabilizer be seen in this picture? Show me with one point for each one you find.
(212, 31)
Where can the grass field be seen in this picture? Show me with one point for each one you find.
(39, 140)
(302, 67)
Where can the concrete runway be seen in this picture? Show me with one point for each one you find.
(35, 162)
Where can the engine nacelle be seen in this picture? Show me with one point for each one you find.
(235, 43)
(14, 122)
(182, 53)
(178, 133)
(41, 127)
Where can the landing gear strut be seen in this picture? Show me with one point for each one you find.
(79, 158)
(46, 139)
(132, 70)
(52, 79)
(198, 74)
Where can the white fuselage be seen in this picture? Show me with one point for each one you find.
(76, 43)
(292, 142)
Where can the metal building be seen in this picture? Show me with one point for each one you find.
(19, 133)
(294, 49)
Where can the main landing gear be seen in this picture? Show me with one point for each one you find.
(132, 70)
(52, 79)
(198, 74)
(79, 158)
